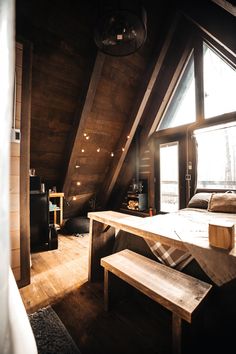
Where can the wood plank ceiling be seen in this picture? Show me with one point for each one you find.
(77, 91)
(84, 103)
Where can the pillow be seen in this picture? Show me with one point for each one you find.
(199, 200)
(222, 202)
(77, 225)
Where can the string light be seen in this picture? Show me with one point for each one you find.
(112, 154)
(98, 149)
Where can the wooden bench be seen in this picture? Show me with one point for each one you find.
(176, 291)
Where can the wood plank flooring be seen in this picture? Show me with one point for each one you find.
(56, 273)
(135, 325)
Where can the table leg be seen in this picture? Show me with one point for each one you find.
(106, 290)
(100, 245)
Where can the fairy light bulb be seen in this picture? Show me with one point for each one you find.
(98, 149)
(123, 149)
(128, 137)
(82, 150)
(78, 183)
(87, 137)
(112, 154)
(77, 166)
(74, 198)
(85, 134)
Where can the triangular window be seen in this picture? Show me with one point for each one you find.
(219, 84)
(181, 109)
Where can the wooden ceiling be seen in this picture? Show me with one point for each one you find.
(76, 90)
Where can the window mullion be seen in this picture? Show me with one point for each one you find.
(199, 88)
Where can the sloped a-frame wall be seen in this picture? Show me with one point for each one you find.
(85, 104)
(77, 91)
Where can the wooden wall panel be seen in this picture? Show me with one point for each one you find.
(17, 272)
(62, 60)
(15, 203)
(15, 185)
(15, 165)
(145, 164)
(15, 240)
(15, 172)
(19, 170)
(15, 150)
(25, 165)
(15, 221)
(15, 259)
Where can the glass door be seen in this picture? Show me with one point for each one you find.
(170, 173)
(169, 176)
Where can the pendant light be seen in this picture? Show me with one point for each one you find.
(121, 30)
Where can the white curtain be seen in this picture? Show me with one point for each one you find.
(7, 50)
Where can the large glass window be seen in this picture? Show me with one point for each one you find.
(216, 146)
(216, 157)
(169, 177)
(181, 109)
(219, 84)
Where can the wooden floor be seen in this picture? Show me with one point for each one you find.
(133, 326)
(56, 273)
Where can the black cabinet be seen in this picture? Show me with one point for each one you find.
(41, 234)
(39, 220)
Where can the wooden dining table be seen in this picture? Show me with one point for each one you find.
(186, 230)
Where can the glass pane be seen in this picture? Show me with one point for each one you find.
(169, 177)
(219, 85)
(181, 109)
(216, 158)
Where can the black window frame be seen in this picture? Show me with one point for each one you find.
(188, 157)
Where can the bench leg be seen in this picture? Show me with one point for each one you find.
(176, 333)
(106, 290)
(114, 289)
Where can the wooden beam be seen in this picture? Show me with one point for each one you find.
(132, 124)
(94, 80)
(215, 22)
(199, 84)
(25, 164)
(226, 6)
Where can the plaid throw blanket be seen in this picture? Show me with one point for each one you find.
(169, 256)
